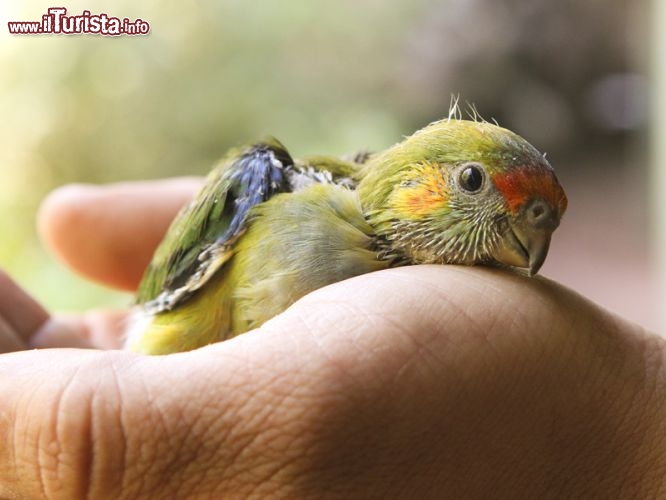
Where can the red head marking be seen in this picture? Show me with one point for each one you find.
(521, 184)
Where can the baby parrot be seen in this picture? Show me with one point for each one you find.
(266, 229)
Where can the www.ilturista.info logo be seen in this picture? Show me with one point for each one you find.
(56, 21)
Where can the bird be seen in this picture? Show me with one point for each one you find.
(267, 229)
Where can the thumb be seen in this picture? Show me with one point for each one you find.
(109, 233)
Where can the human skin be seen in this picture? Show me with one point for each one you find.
(425, 381)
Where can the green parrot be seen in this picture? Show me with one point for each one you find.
(266, 229)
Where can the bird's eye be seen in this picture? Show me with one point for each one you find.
(471, 178)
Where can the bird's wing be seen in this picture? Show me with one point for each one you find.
(201, 237)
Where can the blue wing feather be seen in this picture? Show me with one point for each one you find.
(202, 231)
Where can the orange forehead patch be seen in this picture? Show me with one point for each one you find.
(423, 194)
(524, 183)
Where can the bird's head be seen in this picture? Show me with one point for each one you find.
(464, 192)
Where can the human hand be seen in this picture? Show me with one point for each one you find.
(422, 381)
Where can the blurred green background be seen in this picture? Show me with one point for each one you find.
(332, 77)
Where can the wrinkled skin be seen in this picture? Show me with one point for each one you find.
(469, 383)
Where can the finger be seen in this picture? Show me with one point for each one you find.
(109, 233)
(9, 340)
(94, 329)
(22, 314)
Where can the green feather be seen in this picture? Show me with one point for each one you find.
(199, 225)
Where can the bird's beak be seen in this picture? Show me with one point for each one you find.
(527, 239)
